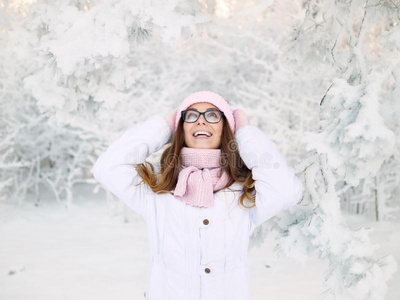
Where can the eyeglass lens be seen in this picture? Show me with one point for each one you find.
(212, 116)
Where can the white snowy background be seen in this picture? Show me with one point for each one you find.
(320, 77)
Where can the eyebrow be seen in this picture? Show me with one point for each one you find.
(211, 108)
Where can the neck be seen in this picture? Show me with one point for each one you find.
(201, 158)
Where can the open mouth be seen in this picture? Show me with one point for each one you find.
(201, 134)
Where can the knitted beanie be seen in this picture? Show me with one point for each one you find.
(209, 97)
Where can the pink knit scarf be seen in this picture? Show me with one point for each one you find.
(198, 176)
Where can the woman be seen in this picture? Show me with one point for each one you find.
(216, 182)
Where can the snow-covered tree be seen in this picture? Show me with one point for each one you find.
(353, 140)
(101, 66)
(377, 197)
(358, 111)
(33, 152)
(95, 70)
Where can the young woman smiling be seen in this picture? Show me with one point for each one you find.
(217, 180)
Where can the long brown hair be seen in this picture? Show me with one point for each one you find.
(170, 163)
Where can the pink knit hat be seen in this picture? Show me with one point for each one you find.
(209, 97)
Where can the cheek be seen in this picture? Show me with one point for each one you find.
(218, 131)
(186, 130)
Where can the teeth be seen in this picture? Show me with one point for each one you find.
(202, 132)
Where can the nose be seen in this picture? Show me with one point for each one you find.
(201, 120)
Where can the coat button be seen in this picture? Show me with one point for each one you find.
(205, 222)
(207, 270)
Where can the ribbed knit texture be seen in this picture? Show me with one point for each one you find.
(199, 176)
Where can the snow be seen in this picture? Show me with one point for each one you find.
(95, 68)
(89, 252)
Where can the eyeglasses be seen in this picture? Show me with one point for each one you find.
(211, 116)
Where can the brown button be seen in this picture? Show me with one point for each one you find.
(205, 222)
(207, 270)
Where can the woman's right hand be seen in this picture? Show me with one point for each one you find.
(170, 118)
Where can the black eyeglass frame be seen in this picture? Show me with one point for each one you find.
(183, 114)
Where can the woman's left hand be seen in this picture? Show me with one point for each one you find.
(240, 118)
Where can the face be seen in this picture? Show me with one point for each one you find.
(202, 141)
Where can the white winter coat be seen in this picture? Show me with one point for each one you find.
(198, 253)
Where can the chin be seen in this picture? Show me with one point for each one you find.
(205, 146)
(200, 145)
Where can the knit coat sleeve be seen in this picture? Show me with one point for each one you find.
(114, 168)
(276, 185)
